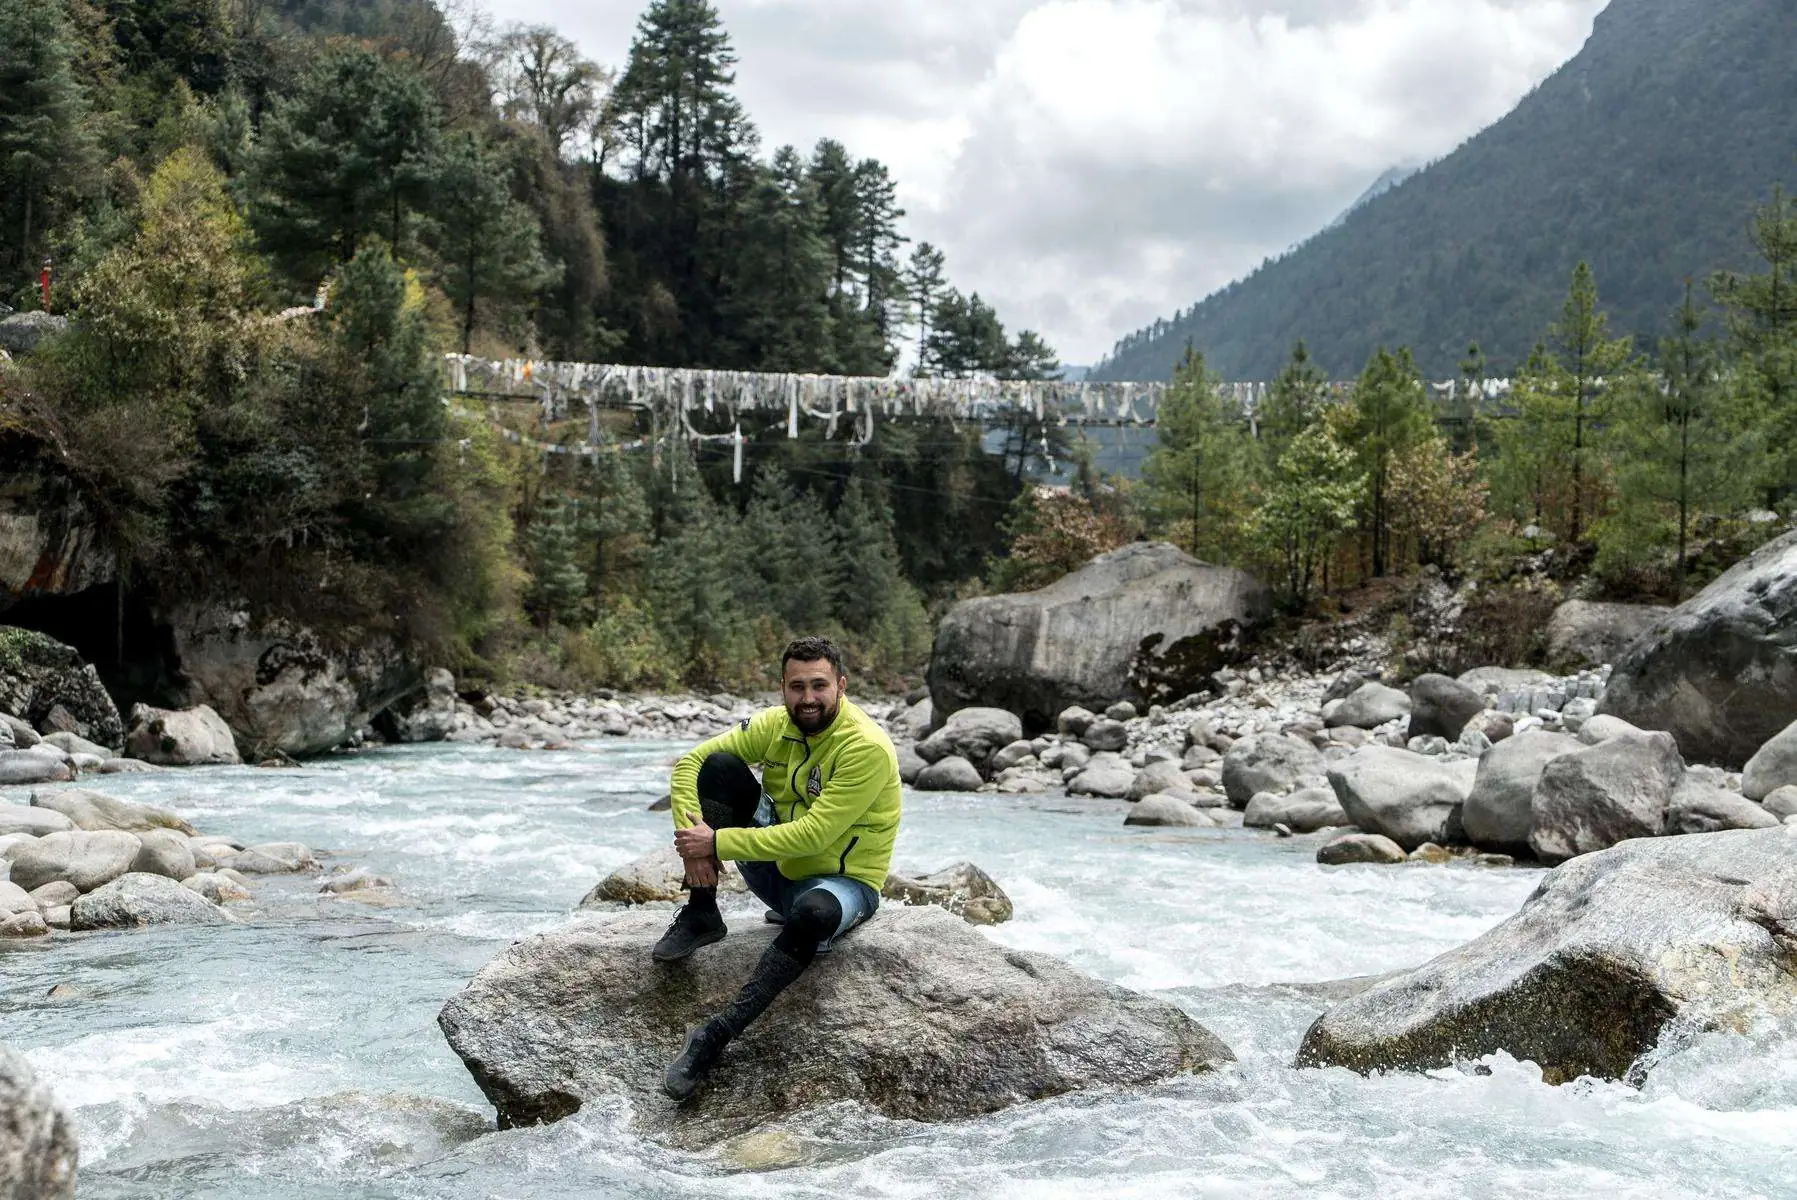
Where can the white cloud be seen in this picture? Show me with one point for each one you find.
(1088, 165)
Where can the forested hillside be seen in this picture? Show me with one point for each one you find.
(1642, 155)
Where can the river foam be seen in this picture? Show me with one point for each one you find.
(297, 1055)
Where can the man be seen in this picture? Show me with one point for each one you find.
(813, 839)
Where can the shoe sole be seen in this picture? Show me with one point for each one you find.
(661, 956)
(673, 1090)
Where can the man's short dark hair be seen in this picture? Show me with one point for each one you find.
(813, 649)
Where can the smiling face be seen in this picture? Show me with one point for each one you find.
(813, 693)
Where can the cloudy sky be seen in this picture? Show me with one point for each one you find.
(1089, 165)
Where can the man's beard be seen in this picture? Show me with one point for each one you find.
(816, 721)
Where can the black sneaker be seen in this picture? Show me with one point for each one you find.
(689, 931)
(773, 918)
(703, 1045)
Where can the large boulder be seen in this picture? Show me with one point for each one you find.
(1585, 634)
(659, 875)
(1369, 706)
(1304, 811)
(1158, 777)
(427, 715)
(1498, 813)
(1147, 622)
(22, 333)
(951, 774)
(1441, 707)
(281, 687)
(976, 734)
(1107, 775)
(1773, 765)
(1267, 762)
(92, 810)
(50, 544)
(962, 889)
(1719, 672)
(18, 767)
(87, 860)
(37, 1141)
(1609, 949)
(36, 822)
(1410, 798)
(915, 1015)
(1699, 806)
(39, 676)
(1608, 793)
(189, 737)
(1164, 811)
(138, 899)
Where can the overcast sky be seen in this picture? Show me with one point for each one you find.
(1089, 165)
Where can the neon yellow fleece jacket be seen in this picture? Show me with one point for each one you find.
(836, 795)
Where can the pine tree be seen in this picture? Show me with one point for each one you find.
(925, 285)
(352, 153)
(1389, 415)
(1761, 313)
(1294, 404)
(1683, 449)
(557, 584)
(1199, 473)
(44, 149)
(490, 246)
(1310, 502)
(776, 290)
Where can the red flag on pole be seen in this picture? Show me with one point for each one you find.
(43, 280)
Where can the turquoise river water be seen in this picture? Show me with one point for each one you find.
(296, 1055)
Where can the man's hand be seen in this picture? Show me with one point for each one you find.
(702, 872)
(697, 842)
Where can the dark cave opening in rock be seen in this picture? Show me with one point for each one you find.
(133, 652)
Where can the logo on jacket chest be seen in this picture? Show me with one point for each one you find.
(814, 786)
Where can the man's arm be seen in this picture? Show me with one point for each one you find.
(860, 776)
(748, 741)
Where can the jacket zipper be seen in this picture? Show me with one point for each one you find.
(794, 807)
(842, 865)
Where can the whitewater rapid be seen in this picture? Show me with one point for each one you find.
(296, 1055)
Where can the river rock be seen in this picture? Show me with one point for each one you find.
(916, 1016)
(188, 737)
(1146, 622)
(1495, 681)
(23, 736)
(1782, 803)
(1157, 777)
(1441, 707)
(1603, 727)
(1773, 765)
(1407, 797)
(1360, 848)
(92, 810)
(136, 900)
(215, 887)
(1581, 981)
(15, 899)
(950, 774)
(1701, 807)
(910, 763)
(1585, 634)
(20, 767)
(282, 688)
(1105, 734)
(1074, 720)
(1267, 762)
(1371, 705)
(37, 1140)
(962, 889)
(1107, 775)
(1593, 798)
(1163, 810)
(74, 743)
(659, 875)
(22, 818)
(39, 673)
(86, 859)
(54, 894)
(426, 715)
(1011, 755)
(1303, 811)
(273, 858)
(976, 734)
(1719, 672)
(1498, 811)
(164, 852)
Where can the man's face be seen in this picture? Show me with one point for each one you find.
(813, 692)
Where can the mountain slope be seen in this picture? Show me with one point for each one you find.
(1644, 154)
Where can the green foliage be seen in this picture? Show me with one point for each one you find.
(44, 148)
(489, 243)
(1761, 311)
(1388, 415)
(1199, 474)
(557, 584)
(1294, 404)
(1315, 488)
(1052, 534)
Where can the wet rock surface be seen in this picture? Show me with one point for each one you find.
(915, 1015)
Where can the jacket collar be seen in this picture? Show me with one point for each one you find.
(848, 714)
